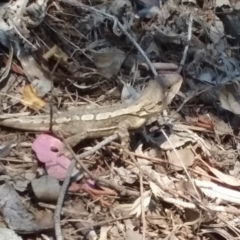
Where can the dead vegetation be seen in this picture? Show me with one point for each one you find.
(179, 179)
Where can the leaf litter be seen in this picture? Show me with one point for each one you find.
(182, 170)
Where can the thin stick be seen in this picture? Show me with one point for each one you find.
(102, 181)
(52, 86)
(184, 167)
(187, 46)
(57, 214)
(142, 207)
(103, 223)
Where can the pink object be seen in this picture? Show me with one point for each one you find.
(55, 165)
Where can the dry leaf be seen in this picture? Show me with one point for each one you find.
(142, 161)
(130, 235)
(6, 234)
(136, 208)
(56, 53)
(39, 79)
(107, 59)
(30, 98)
(178, 138)
(157, 192)
(124, 176)
(103, 232)
(229, 98)
(225, 178)
(219, 126)
(186, 155)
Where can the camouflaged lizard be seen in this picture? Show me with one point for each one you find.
(95, 122)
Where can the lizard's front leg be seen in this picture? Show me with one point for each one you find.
(123, 134)
(72, 137)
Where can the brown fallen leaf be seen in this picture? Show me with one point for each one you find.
(30, 98)
(224, 178)
(218, 125)
(186, 156)
(227, 179)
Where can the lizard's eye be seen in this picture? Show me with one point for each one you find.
(169, 88)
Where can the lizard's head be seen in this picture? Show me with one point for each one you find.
(170, 85)
(159, 93)
(162, 90)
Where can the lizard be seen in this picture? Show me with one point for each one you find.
(95, 122)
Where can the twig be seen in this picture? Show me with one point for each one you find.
(176, 201)
(105, 182)
(184, 167)
(189, 98)
(57, 212)
(154, 179)
(52, 96)
(103, 223)
(187, 46)
(115, 20)
(68, 177)
(142, 207)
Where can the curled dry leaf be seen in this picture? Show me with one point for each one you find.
(30, 98)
